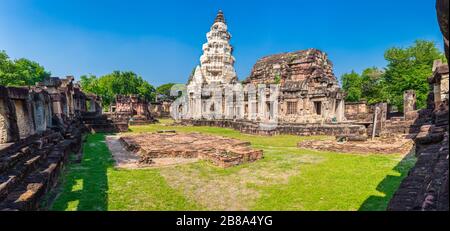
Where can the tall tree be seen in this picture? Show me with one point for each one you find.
(163, 91)
(117, 82)
(409, 68)
(351, 83)
(20, 72)
(372, 85)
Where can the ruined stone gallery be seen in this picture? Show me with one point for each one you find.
(225, 143)
(40, 127)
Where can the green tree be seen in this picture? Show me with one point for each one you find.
(117, 82)
(409, 68)
(351, 83)
(7, 73)
(163, 91)
(20, 72)
(372, 85)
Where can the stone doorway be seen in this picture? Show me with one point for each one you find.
(318, 107)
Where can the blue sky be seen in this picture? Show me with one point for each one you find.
(162, 40)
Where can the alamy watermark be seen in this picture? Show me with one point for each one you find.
(257, 103)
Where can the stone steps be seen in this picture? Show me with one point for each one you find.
(27, 194)
(30, 169)
(101, 123)
(36, 178)
(10, 179)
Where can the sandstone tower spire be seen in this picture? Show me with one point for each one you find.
(217, 62)
(220, 17)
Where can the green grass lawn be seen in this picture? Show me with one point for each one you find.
(287, 178)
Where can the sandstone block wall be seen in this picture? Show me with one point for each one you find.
(131, 109)
(284, 128)
(39, 127)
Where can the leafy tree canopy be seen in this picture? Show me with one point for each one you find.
(124, 83)
(20, 72)
(351, 83)
(407, 68)
(163, 91)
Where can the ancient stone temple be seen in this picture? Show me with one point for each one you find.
(131, 108)
(216, 69)
(284, 89)
(217, 61)
(309, 91)
(39, 127)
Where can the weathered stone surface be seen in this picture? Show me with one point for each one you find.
(302, 129)
(9, 131)
(358, 111)
(39, 127)
(309, 91)
(217, 61)
(95, 123)
(221, 151)
(131, 109)
(160, 109)
(442, 9)
(29, 168)
(426, 186)
(398, 145)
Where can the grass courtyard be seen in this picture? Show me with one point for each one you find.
(287, 178)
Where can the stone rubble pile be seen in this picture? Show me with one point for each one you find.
(221, 151)
(392, 145)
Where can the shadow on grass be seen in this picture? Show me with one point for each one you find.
(85, 185)
(389, 185)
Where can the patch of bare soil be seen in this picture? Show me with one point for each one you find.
(238, 190)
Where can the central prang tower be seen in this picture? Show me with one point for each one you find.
(217, 62)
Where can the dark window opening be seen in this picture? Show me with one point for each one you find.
(318, 108)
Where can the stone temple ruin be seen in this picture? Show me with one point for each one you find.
(42, 124)
(229, 153)
(39, 127)
(310, 92)
(311, 103)
(310, 100)
(131, 109)
(426, 186)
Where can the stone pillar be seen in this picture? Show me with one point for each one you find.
(56, 104)
(228, 101)
(48, 110)
(197, 105)
(9, 131)
(24, 118)
(92, 105)
(261, 94)
(381, 118)
(409, 101)
(409, 104)
(340, 110)
(252, 103)
(40, 121)
(240, 104)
